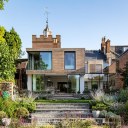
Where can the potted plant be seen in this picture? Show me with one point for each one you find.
(95, 113)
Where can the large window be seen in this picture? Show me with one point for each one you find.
(95, 68)
(46, 60)
(40, 60)
(38, 82)
(69, 60)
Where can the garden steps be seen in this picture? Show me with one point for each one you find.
(63, 96)
(56, 112)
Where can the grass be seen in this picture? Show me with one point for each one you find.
(63, 101)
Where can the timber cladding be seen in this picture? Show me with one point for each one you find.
(58, 61)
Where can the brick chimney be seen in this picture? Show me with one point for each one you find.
(107, 46)
(103, 46)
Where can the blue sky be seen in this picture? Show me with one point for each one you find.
(81, 23)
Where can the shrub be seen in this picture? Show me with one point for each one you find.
(76, 123)
(8, 106)
(123, 95)
(103, 114)
(21, 112)
(100, 106)
(27, 103)
(97, 95)
(2, 114)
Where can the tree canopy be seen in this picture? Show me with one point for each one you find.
(10, 49)
(14, 42)
(2, 4)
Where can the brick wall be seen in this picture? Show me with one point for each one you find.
(46, 42)
(112, 69)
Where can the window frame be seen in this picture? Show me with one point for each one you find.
(74, 52)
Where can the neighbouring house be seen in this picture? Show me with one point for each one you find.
(52, 68)
(113, 56)
(95, 62)
(112, 52)
(115, 77)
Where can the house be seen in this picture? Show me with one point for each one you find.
(112, 52)
(116, 57)
(52, 68)
(116, 81)
(95, 62)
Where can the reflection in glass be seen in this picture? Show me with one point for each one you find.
(94, 81)
(38, 82)
(40, 60)
(74, 81)
(69, 59)
(45, 60)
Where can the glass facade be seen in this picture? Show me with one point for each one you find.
(95, 81)
(74, 82)
(38, 82)
(40, 61)
(69, 60)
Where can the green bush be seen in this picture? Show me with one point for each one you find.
(28, 103)
(100, 106)
(21, 112)
(123, 95)
(76, 123)
(8, 106)
(2, 114)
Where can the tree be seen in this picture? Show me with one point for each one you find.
(124, 74)
(10, 49)
(14, 42)
(7, 67)
(2, 4)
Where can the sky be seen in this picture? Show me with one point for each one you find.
(81, 23)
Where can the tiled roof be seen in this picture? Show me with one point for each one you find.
(94, 54)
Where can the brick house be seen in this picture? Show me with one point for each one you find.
(115, 77)
(95, 62)
(52, 68)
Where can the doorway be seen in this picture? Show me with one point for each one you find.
(62, 87)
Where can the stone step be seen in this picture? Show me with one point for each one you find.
(52, 116)
(44, 121)
(63, 104)
(73, 107)
(59, 106)
(62, 98)
(55, 112)
(62, 110)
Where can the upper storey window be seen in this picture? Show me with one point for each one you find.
(46, 60)
(95, 68)
(40, 60)
(69, 60)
